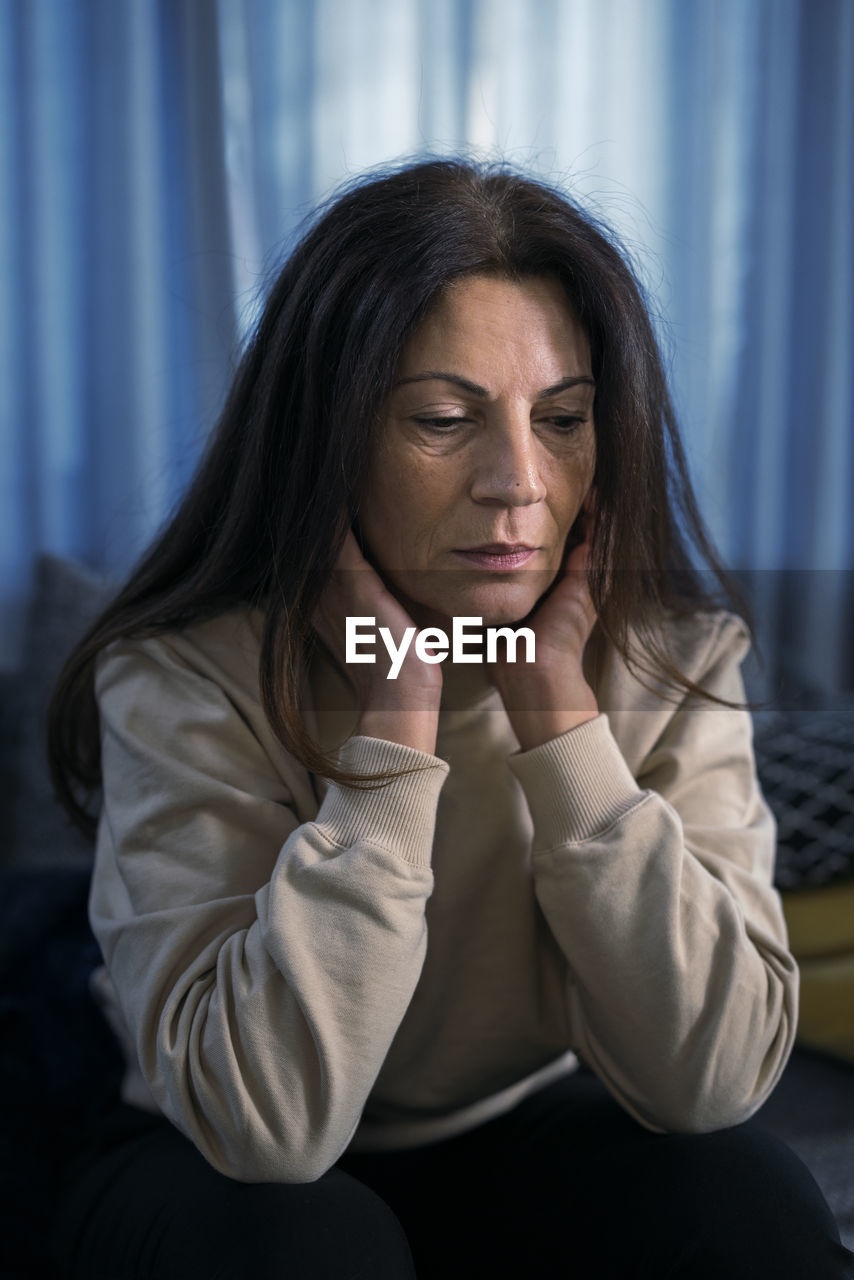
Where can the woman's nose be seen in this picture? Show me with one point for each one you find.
(507, 470)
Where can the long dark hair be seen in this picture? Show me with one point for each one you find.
(264, 519)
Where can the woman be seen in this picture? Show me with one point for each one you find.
(358, 918)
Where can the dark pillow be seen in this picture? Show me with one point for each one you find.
(59, 1063)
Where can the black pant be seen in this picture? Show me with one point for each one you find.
(566, 1185)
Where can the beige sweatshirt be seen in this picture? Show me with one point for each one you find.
(292, 964)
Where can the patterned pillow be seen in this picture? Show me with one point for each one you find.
(806, 766)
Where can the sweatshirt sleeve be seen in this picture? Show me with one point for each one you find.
(658, 889)
(262, 964)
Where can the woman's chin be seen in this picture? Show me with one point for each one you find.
(497, 604)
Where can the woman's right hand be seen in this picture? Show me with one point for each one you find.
(406, 709)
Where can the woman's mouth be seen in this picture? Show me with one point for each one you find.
(498, 555)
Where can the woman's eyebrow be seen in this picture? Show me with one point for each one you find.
(474, 388)
(565, 383)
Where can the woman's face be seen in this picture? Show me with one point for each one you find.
(484, 454)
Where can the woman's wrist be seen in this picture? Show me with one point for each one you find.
(538, 712)
(410, 727)
(533, 728)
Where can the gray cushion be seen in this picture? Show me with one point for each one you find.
(66, 599)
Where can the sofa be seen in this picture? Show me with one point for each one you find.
(59, 1064)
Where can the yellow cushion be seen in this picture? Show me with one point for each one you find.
(826, 1019)
(821, 936)
(821, 921)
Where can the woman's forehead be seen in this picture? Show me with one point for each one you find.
(501, 327)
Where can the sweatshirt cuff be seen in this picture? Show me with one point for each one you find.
(576, 785)
(399, 816)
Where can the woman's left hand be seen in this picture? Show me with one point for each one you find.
(551, 695)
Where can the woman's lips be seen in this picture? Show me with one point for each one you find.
(498, 556)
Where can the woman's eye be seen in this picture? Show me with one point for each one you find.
(565, 423)
(440, 424)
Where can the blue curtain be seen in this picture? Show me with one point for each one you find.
(158, 156)
(117, 325)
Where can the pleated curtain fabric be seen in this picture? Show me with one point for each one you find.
(158, 157)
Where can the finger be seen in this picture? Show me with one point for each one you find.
(591, 504)
(588, 516)
(578, 559)
(591, 499)
(576, 571)
(350, 555)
